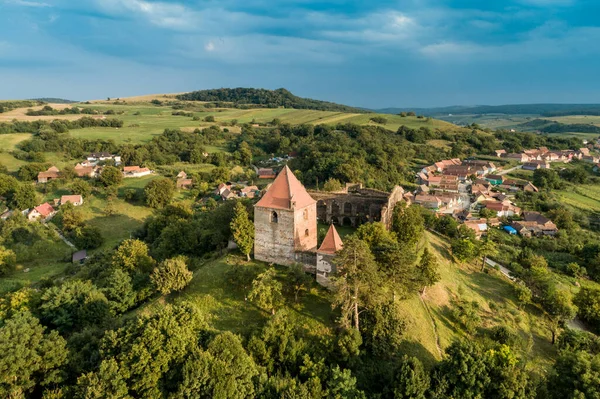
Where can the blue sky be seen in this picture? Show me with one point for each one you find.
(365, 53)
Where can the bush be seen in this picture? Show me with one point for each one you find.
(171, 275)
(379, 119)
(209, 118)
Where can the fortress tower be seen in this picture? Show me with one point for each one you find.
(285, 221)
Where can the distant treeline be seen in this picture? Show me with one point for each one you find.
(6, 106)
(59, 126)
(49, 111)
(242, 97)
(547, 126)
(591, 112)
(53, 100)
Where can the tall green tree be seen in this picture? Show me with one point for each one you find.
(111, 176)
(356, 283)
(408, 223)
(159, 193)
(576, 374)
(426, 271)
(24, 197)
(242, 229)
(411, 380)
(559, 309)
(587, 301)
(298, 280)
(266, 291)
(30, 356)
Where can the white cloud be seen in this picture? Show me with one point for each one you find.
(210, 46)
(26, 3)
(167, 15)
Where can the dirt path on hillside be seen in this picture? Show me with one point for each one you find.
(435, 332)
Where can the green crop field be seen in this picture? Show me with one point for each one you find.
(584, 197)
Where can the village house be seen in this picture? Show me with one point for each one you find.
(428, 201)
(96, 157)
(590, 159)
(76, 200)
(449, 183)
(519, 157)
(135, 171)
(596, 168)
(503, 209)
(482, 167)
(51, 174)
(495, 179)
(266, 173)
(249, 192)
(535, 224)
(500, 153)
(535, 165)
(86, 170)
(184, 183)
(43, 212)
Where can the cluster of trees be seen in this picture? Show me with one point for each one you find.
(48, 110)
(58, 125)
(266, 98)
(548, 126)
(519, 141)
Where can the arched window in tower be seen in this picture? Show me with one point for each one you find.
(306, 233)
(273, 217)
(306, 214)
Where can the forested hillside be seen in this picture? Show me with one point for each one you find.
(246, 97)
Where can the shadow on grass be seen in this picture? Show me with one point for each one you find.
(416, 349)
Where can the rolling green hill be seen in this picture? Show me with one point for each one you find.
(247, 97)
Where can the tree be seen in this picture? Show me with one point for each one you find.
(108, 382)
(111, 176)
(266, 291)
(224, 370)
(242, 229)
(426, 271)
(132, 255)
(24, 197)
(71, 218)
(209, 118)
(588, 304)
(471, 371)
(298, 280)
(74, 305)
(332, 185)
(117, 286)
(575, 375)
(408, 223)
(109, 208)
(8, 259)
(487, 248)
(88, 237)
(342, 385)
(171, 275)
(559, 308)
(356, 283)
(30, 356)
(159, 193)
(464, 249)
(81, 187)
(411, 380)
(546, 178)
(523, 294)
(146, 349)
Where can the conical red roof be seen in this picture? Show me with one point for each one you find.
(285, 190)
(332, 242)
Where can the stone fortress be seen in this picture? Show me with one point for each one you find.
(285, 221)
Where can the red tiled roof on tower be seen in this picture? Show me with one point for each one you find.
(285, 190)
(332, 242)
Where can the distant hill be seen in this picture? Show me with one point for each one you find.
(512, 109)
(548, 126)
(53, 100)
(261, 98)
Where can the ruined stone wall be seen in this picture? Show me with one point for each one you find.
(388, 211)
(355, 207)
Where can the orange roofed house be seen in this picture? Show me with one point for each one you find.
(50, 174)
(42, 212)
(285, 222)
